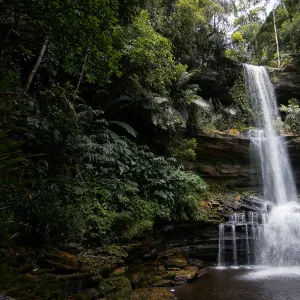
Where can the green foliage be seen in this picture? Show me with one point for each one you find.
(183, 149)
(292, 118)
(66, 171)
(149, 55)
(237, 37)
(239, 95)
(73, 30)
(200, 116)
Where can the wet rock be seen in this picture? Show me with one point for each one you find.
(188, 273)
(197, 262)
(61, 262)
(116, 288)
(163, 283)
(176, 260)
(152, 294)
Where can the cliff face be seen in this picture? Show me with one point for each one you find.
(286, 83)
(225, 160)
(229, 159)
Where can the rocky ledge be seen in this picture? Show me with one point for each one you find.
(27, 273)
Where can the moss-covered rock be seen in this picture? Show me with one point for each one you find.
(152, 294)
(176, 260)
(116, 288)
(61, 262)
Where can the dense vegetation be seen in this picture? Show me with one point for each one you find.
(84, 83)
(71, 168)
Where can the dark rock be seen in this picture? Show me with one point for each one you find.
(152, 294)
(286, 83)
(163, 283)
(197, 262)
(216, 79)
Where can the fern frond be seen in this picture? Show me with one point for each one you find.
(125, 126)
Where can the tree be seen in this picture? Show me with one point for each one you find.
(69, 30)
(148, 55)
(248, 17)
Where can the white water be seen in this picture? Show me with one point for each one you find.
(280, 235)
(271, 240)
(277, 176)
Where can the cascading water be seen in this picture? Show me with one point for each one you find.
(280, 236)
(278, 181)
(270, 239)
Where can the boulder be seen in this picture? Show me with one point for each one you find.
(188, 273)
(176, 261)
(116, 288)
(61, 262)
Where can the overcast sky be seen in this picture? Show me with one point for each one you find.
(271, 5)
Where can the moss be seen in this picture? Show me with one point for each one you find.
(117, 251)
(116, 288)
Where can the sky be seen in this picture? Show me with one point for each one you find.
(271, 5)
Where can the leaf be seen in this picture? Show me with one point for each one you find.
(125, 126)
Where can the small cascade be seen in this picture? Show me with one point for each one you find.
(238, 238)
(221, 245)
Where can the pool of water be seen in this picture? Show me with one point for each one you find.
(243, 283)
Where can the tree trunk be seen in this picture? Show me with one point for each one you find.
(276, 38)
(283, 4)
(81, 74)
(36, 66)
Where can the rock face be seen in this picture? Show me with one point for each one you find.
(229, 160)
(225, 160)
(216, 79)
(195, 240)
(286, 83)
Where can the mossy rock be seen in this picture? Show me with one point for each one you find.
(61, 262)
(176, 260)
(152, 294)
(116, 288)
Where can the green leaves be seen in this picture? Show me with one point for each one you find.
(149, 55)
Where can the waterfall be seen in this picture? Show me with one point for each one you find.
(221, 245)
(238, 238)
(270, 239)
(279, 236)
(278, 182)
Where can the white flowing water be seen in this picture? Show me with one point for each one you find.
(280, 234)
(278, 181)
(221, 245)
(271, 239)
